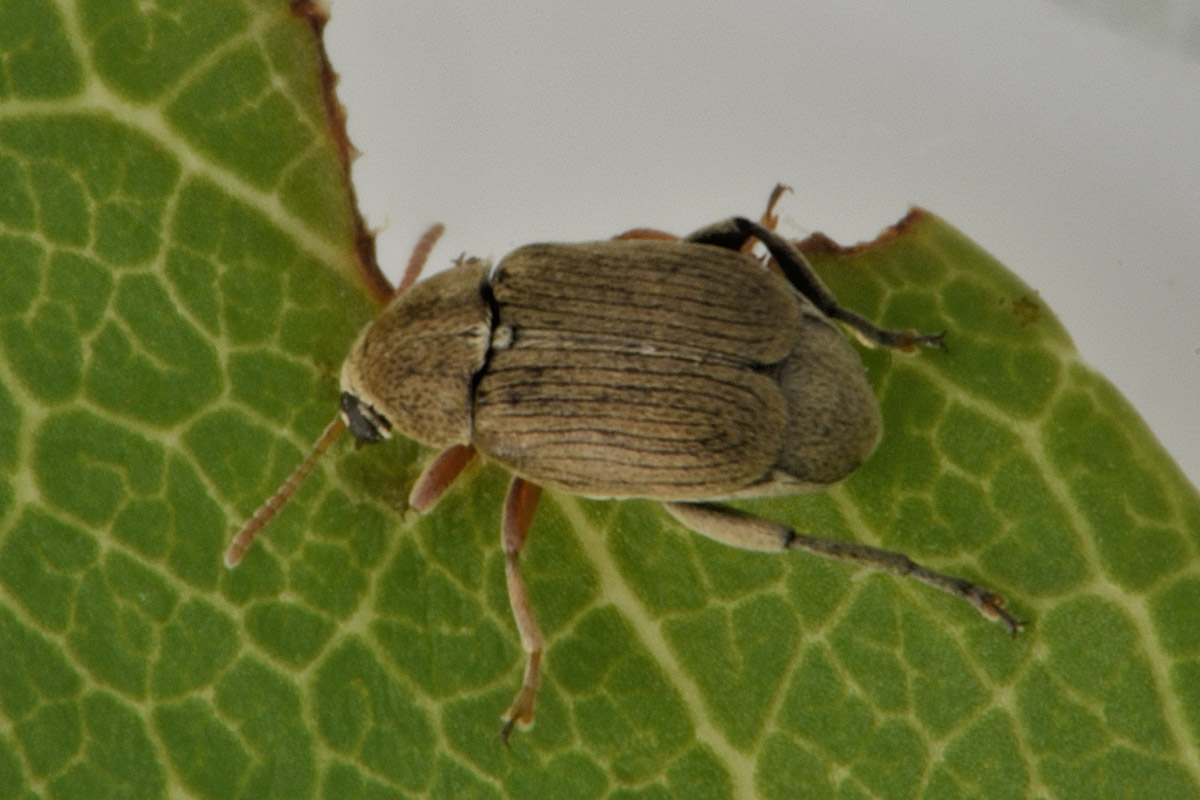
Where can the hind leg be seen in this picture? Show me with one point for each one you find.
(740, 529)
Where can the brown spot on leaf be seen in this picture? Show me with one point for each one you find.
(1026, 310)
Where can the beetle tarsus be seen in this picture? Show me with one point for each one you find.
(769, 218)
(521, 710)
(731, 234)
(937, 340)
(907, 342)
(506, 733)
(991, 605)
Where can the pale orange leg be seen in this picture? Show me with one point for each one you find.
(439, 475)
(647, 233)
(769, 218)
(519, 507)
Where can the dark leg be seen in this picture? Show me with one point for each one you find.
(739, 529)
(728, 234)
(734, 232)
(736, 240)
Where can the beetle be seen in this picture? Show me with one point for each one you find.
(681, 370)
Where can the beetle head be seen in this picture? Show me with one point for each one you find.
(372, 364)
(413, 369)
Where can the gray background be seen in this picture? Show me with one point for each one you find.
(1067, 144)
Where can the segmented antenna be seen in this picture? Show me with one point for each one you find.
(241, 543)
(245, 537)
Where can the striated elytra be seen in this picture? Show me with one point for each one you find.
(681, 370)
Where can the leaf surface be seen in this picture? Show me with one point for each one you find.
(181, 275)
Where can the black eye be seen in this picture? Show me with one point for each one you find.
(367, 426)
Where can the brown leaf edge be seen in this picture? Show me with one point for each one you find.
(316, 14)
(820, 244)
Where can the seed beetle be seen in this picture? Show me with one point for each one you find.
(680, 370)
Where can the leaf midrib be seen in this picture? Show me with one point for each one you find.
(616, 592)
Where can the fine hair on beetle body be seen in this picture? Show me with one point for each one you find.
(682, 370)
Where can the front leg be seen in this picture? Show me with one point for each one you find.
(439, 475)
(740, 529)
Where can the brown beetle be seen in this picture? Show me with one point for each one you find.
(646, 366)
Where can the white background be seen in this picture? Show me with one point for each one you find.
(1070, 152)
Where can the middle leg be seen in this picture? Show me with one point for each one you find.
(519, 507)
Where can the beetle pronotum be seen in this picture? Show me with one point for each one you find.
(680, 370)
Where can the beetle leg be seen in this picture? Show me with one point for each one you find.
(740, 529)
(734, 233)
(726, 233)
(769, 218)
(646, 233)
(519, 507)
(799, 272)
(439, 476)
(420, 254)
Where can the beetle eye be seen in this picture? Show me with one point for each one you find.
(367, 425)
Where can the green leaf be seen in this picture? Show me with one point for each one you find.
(179, 280)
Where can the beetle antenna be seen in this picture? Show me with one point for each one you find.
(420, 253)
(241, 543)
(245, 537)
